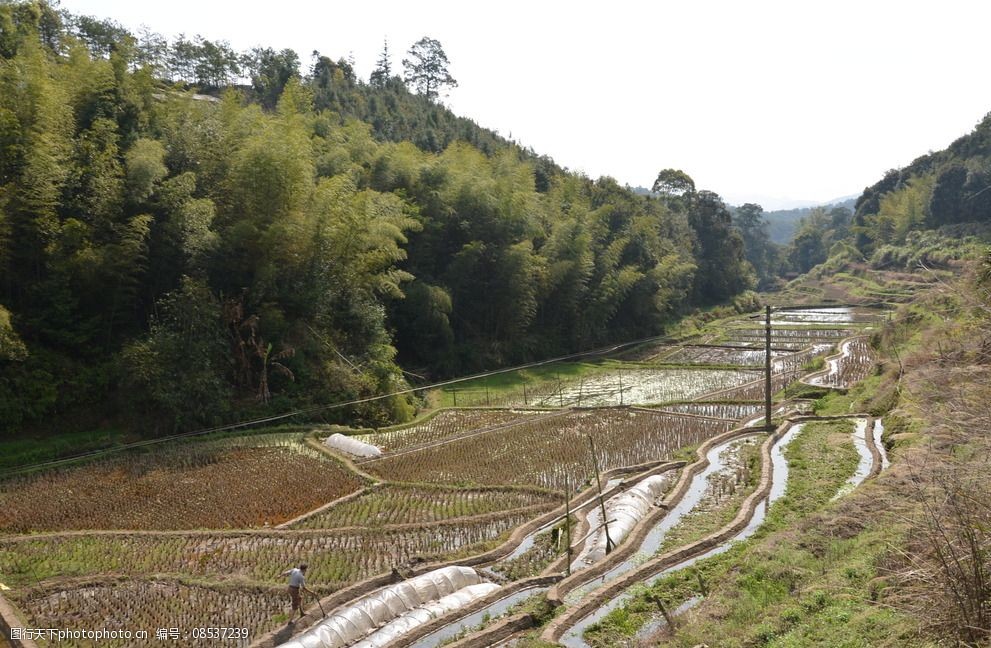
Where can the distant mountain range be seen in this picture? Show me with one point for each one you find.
(781, 204)
(782, 223)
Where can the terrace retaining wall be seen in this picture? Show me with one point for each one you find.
(9, 618)
(495, 633)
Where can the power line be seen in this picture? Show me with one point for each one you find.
(320, 408)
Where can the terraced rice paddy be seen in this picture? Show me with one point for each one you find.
(754, 390)
(336, 557)
(794, 339)
(714, 355)
(447, 487)
(725, 489)
(852, 364)
(731, 411)
(553, 452)
(446, 424)
(209, 486)
(642, 385)
(820, 316)
(415, 504)
(157, 604)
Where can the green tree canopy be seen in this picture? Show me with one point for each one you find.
(673, 182)
(426, 68)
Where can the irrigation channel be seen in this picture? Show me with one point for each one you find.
(873, 459)
(718, 459)
(861, 438)
(619, 538)
(779, 480)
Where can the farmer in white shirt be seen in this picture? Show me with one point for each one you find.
(297, 582)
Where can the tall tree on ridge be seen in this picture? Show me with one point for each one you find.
(426, 70)
(383, 67)
(675, 187)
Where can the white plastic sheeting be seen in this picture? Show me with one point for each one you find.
(623, 512)
(352, 446)
(395, 629)
(366, 614)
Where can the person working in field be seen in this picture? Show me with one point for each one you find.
(297, 584)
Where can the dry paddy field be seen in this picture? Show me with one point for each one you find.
(149, 605)
(198, 486)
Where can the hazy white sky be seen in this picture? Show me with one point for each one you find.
(759, 101)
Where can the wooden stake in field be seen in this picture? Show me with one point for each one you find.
(664, 611)
(767, 370)
(567, 522)
(602, 503)
(703, 588)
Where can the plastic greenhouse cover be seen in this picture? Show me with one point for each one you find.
(352, 446)
(354, 622)
(392, 631)
(624, 511)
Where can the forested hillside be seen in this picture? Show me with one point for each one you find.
(782, 224)
(946, 188)
(171, 260)
(926, 212)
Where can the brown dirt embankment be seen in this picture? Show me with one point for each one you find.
(9, 618)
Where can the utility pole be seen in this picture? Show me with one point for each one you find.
(602, 503)
(767, 370)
